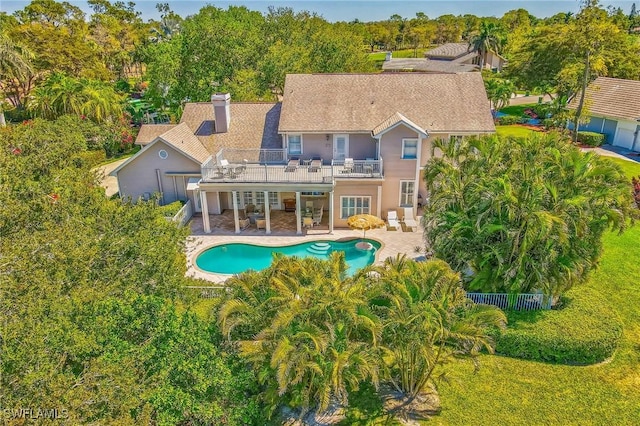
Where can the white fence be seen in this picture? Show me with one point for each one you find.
(184, 214)
(513, 302)
(207, 292)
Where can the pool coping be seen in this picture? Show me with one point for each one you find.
(221, 278)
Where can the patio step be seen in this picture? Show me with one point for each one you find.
(319, 248)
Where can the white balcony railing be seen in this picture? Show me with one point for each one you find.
(270, 166)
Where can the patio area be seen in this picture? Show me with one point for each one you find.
(283, 227)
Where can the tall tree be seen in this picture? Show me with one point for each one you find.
(488, 39)
(306, 328)
(427, 321)
(510, 227)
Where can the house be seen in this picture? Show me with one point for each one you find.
(447, 58)
(614, 110)
(459, 53)
(348, 143)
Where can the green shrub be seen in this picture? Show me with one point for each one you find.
(506, 120)
(586, 330)
(92, 158)
(591, 138)
(171, 209)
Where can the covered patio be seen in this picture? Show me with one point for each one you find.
(282, 223)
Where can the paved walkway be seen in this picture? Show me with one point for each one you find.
(109, 183)
(393, 243)
(614, 151)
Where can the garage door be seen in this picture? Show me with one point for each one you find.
(624, 138)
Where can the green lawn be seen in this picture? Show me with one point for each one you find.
(514, 130)
(630, 168)
(516, 109)
(510, 391)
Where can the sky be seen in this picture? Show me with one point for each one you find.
(363, 10)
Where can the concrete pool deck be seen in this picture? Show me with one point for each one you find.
(393, 243)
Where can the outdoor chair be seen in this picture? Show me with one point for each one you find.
(392, 220)
(307, 222)
(315, 165)
(292, 165)
(348, 165)
(261, 224)
(409, 220)
(244, 224)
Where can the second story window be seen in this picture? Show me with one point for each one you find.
(295, 144)
(409, 149)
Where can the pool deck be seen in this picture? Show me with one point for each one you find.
(393, 243)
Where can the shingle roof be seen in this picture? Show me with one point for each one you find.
(335, 103)
(392, 121)
(427, 65)
(148, 132)
(182, 138)
(254, 125)
(448, 50)
(612, 97)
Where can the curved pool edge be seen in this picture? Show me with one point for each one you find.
(191, 260)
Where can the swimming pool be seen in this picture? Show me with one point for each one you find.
(234, 258)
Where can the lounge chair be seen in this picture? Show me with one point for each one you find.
(348, 165)
(409, 220)
(392, 220)
(315, 165)
(292, 165)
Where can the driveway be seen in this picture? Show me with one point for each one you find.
(109, 183)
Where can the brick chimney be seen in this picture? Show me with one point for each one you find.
(221, 111)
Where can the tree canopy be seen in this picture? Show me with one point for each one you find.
(519, 215)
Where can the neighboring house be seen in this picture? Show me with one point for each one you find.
(447, 58)
(614, 107)
(351, 143)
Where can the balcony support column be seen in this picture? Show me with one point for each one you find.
(236, 217)
(205, 212)
(331, 209)
(267, 212)
(298, 215)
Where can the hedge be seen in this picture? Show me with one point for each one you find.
(585, 330)
(591, 138)
(171, 209)
(506, 120)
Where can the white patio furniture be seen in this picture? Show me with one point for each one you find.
(392, 219)
(409, 220)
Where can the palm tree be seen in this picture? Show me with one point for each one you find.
(60, 94)
(14, 63)
(499, 91)
(427, 321)
(488, 39)
(512, 227)
(306, 328)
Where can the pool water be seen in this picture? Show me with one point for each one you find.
(235, 258)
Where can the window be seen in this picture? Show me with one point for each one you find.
(163, 154)
(354, 205)
(407, 190)
(295, 144)
(273, 199)
(247, 197)
(259, 198)
(409, 149)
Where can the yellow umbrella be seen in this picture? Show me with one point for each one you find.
(364, 222)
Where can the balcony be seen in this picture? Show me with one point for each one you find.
(271, 166)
